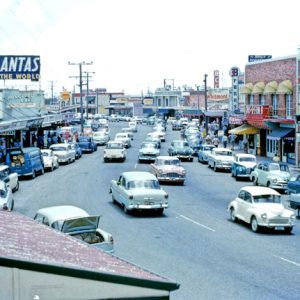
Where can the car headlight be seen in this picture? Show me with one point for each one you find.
(274, 180)
(293, 217)
(264, 216)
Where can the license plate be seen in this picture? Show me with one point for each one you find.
(279, 228)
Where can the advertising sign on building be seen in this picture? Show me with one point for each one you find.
(216, 79)
(148, 101)
(28, 99)
(20, 67)
(252, 58)
(234, 73)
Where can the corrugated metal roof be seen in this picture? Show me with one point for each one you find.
(22, 238)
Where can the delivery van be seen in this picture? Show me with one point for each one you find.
(25, 161)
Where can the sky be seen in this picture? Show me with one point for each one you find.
(134, 45)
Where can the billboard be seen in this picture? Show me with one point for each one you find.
(20, 67)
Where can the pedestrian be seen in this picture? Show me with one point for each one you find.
(208, 139)
(232, 138)
(276, 157)
(245, 145)
(54, 138)
(215, 141)
(224, 140)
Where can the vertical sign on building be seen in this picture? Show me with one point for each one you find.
(216, 79)
(234, 73)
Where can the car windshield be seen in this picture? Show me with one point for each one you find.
(274, 167)
(148, 184)
(267, 199)
(224, 153)
(180, 144)
(284, 168)
(149, 145)
(169, 162)
(84, 139)
(251, 159)
(58, 148)
(114, 146)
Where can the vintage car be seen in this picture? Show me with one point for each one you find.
(78, 152)
(168, 169)
(158, 134)
(6, 197)
(204, 150)
(100, 137)
(181, 149)
(129, 131)
(137, 190)
(87, 144)
(293, 186)
(261, 207)
(295, 202)
(133, 126)
(243, 165)
(50, 159)
(77, 223)
(114, 150)
(123, 137)
(64, 153)
(153, 139)
(271, 174)
(220, 158)
(148, 151)
(10, 178)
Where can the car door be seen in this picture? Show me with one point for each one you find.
(246, 207)
(259, 172)
(265, 171)
(123, 193)
(294, 186)
(240, 204)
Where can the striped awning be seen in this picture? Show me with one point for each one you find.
(244, 129)
(271, 88)
(247, 88)
(259, 88)
(285, 87)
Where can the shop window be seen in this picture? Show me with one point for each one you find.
(251, 100)
(262, 99)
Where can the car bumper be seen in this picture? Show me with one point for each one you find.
(147, 206)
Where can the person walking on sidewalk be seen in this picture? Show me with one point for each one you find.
(224, 140)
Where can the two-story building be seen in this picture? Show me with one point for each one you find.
(271, 101)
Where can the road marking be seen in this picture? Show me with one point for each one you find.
(287, 260)
(199, 224)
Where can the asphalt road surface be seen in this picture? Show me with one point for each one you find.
(193, 243)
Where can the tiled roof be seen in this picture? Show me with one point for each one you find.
(22, 238)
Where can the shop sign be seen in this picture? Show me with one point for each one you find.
(34, 122)
(28, 99)
(20, 67)
(252, 58)
(216, 79)
(148, 101)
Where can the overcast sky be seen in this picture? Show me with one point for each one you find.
(136, 44)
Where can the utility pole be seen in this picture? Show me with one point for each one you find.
(52, 95)
(87, 92)
(205, 99)
(80, 86)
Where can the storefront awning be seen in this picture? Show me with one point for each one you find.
(247, 88)
(285, 87)
(278, 134)
(271, 88)
(258, 88)
(244, 129)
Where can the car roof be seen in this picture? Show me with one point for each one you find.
(167, 157)
(259, 190)
(138, 175)
(62, 212)
(222, 149)
(245, 155)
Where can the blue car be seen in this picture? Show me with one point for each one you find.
(87, 144)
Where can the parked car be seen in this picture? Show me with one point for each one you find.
(77, 223)
(11, 178)
(25, 161)
(137, 190)
(87, 144)
(123, 137)
(220, 158)
(261, 207)
(181, 149)
(243, 165)
(6, 197)
(114, 150)
(295, 202)
(129, 131)
(78, 152)
(148, 151)
(100, 137)
(64, 153)
(271, 174)
(203, 152)
(50, 159)
(168, 169)
(293, 186)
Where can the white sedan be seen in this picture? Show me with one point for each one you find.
(77, 223)
(50, 160)
(6, 197)
(261, 207)
(64, 153)
(11, 178)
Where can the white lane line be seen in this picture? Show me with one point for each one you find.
(287, 260)
(199, 224)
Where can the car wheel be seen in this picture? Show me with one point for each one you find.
(232, 215)
(268, 184)
(17, 186)
(237, 178)
(232, 174)
(42, 171)
(160, 211)
(288, 229)
(254, 224)
(52, 168)
(126, 211)
(254, 181)
(113, 199)
(33, 174)
(215, 167)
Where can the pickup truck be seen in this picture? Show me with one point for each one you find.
(220, 158)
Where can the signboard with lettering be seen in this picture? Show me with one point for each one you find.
(234, 73)
(20, 67)
(216, 79)
(28, 99)
(252, 58)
